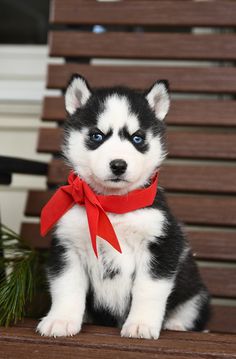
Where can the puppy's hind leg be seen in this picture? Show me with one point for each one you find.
(190, 315)
(68, 291)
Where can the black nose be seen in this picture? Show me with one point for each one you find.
(118, 167)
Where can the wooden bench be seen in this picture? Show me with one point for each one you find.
(200, 174)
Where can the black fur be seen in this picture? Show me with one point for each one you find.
(87, 115)
(142, 147)
(56, 260)
(166, 253)
(100, 316)
(167, 260)
(92, 145)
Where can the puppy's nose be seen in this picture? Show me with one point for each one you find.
(118, 167)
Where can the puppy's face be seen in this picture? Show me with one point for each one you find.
(114, 137)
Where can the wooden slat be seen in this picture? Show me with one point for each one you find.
(49, 140)
(201, 178)
(30, 232)
(177, 335)
(191, 209)
(183, 143)
(199, 209)
(174, 177)
(58, 172)
(182, 79)
(100, 342)
(202, 144)
(223, 319)
(182, 112)
(167, 13)
(206, 244)
(53, 109)
(213, 244)
(143, 45)
(221, 282)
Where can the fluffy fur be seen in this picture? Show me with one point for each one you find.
(114, 139)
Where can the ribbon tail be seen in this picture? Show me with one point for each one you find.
(99, 224)
(92, 216)
(106, 230)
(58, 204)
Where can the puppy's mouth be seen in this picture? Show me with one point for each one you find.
(116, 180)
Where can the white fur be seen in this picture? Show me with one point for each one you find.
(68, 293)
(159, 100)
(76, 95)
(116, 115)
(183, 317)
(148, 306)
(94, 165)
(133, 230)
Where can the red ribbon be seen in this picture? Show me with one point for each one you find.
(78, 192)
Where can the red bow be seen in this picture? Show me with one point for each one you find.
(79, 192)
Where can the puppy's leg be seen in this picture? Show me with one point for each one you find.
(149, 297)
(190, 315)
(68, 291)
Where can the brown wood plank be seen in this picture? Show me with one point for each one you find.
(206, 244)
(143, 45)
(89, 344)
(57, 172)
(182, 112)
(20, 350)
(30, 233)
(174, 177)
(213, 244)
(199, 177)
(157, 13)
(191, 209)
(221, 282)
(112, 331)
(183, 143)
(200, 209)
(202, 144)
(182, 79)
(49, 140)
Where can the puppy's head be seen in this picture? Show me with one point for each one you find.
(114, 138)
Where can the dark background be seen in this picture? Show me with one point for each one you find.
(24, 21)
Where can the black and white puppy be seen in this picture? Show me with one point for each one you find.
(155, 282)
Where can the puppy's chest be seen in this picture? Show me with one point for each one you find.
(133, 229)
(111, 275)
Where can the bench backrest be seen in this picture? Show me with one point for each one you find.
(193, 45)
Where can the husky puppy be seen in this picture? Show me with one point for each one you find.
(114, 140)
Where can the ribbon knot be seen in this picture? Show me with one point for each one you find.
(78, 192)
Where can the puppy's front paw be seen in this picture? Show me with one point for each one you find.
(55, 327)
(140, 330)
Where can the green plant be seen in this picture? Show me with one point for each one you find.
(21, 276)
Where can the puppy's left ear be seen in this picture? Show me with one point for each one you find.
(159, 99)
(77, 93)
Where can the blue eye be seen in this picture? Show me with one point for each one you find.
(96, 137)
(137, 139)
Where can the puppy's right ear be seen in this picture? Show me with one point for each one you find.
(77, 93)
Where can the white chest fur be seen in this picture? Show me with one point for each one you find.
(134, 230)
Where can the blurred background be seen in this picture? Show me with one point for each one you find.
(23, 64)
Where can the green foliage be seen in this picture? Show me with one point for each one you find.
(20, 275)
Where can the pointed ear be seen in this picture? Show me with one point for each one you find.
(77, 93)
(159, 99)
